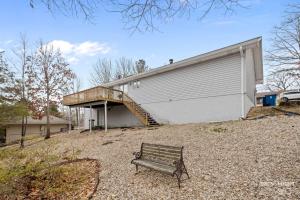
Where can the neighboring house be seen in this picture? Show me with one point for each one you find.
(216, 86)
(35, 127)
(267, 98)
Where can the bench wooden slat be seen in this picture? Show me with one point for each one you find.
(157, 166)
(163, 146)
(162, 149)
(161, 161)
(162, 153)
(158, 154)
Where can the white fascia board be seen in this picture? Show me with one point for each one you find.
(253, 43)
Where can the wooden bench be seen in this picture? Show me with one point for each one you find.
(163, 158)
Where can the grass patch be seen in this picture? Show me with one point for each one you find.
(219, 130)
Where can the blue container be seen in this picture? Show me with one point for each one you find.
(269, 100)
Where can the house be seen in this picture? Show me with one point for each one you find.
(267, 98)
(35, 127)
(216, 86)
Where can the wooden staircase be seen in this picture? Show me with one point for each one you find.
(101, 93)
(138, 111)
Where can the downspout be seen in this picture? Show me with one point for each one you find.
(242, 80)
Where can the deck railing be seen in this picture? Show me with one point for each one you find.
(100, 93)
(93, 94)
(135, 108)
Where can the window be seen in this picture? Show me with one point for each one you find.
(292, 92)
(136, 84)
(124, 88)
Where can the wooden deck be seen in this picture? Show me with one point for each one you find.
(98, 93)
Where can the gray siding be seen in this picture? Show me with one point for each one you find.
(214, 78)
(117, 116)
(250, 75)
(209, 91)
(211, 109)
(249, 79)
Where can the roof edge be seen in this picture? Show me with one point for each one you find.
(235, 48)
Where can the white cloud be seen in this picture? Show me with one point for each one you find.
(8, 41)
(73, 60)
(64, 46)
(92, 48)
(73, 51)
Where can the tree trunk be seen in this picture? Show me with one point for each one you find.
(22, 133)
(25, 125)
(47, 136)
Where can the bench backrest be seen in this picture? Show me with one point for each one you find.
(161, 153)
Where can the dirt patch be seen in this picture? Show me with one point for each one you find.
(261, 112)
(76, 179)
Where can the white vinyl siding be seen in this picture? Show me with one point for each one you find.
(117, 116)
(211, 109)
(250, 83)
(210, 91)
(204, 92)
(250, 75)
(219, 77)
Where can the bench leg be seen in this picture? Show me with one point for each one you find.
(185, 171)
(178, 179)
(136, 168)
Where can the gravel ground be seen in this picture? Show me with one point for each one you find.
(257, 159)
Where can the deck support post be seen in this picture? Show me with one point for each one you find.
(105, 115)
(70, 120)
(78, 117)
(90, 118)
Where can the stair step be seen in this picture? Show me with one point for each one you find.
(138, 110)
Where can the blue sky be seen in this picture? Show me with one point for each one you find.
(83, 42)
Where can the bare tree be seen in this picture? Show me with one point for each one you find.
(77, 8)
(281, 80)
(141, 15)
(7, 77)
(102, 72)
(49, 77)
(11, 108)
(76, 86)
(140, 66)
(144, 15)
(22, 53)
(124, 68)
(284, 52)
(17, 91)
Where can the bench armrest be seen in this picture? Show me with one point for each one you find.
(137, 155)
